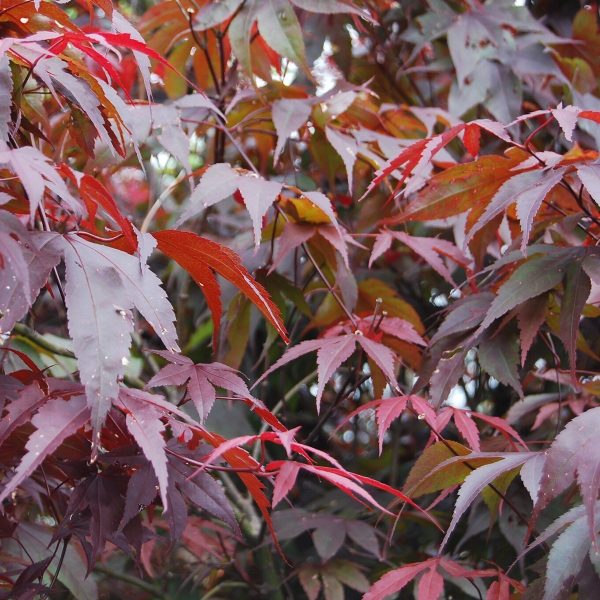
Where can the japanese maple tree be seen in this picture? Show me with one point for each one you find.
(299, 298)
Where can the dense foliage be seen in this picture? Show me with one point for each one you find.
(299, 298)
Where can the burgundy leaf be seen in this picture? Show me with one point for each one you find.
(144, 423)
(106, 508)
(55, 421)
(499, 356)
(141, 491)
(577, 290)
(328, 539)
(537, 275)
(531, 315)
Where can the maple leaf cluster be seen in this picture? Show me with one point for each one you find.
(299, 298)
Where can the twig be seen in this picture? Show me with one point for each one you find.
(135, 581)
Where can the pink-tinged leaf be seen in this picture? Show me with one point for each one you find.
(590, 177)
(394, 581)
(402, 330)
(565, 559)
(424, 409)
(495, 128)
(531, 315)
(201, 381)
(531, 475)
(574, 455)
(218, 182)
(287, 438)
(469, 42)
(345, 483)
(499, 590)
(55, 421)
(331, 353)
(102, 286)
(572, 515)
(382, 356)
(528, 190)
(431, 250)
(329, 358)
(477, 480)
(290, 354)
(387, 412)
(288, 116)
(500, 425)
(577, 288)
(339, 239)
(293, 236)
(466, 427)
(567, 119)
(143, 421)
(36, 173)
(284, 482)
(258, 194)
(431, 585)
(383, 242)
(347, 148)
